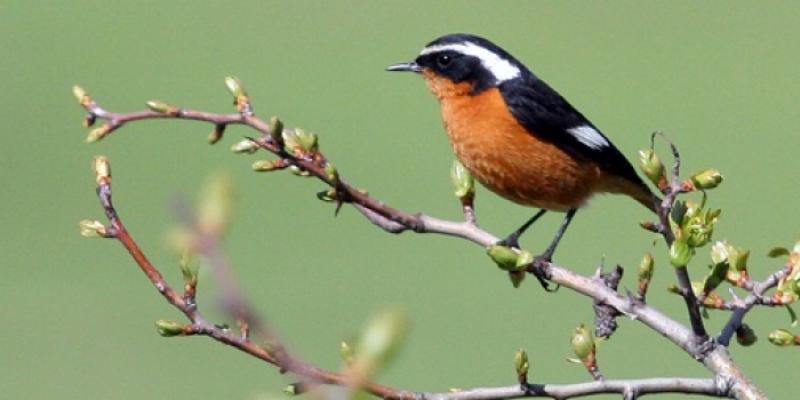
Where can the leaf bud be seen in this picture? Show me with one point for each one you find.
(583, 344)
(516, 278)
(102, 170)
(651, 166)
(168, 328)
(161, 107)
(707, 179)
(80, 94)
(782, 337)
(521, 365)
(247, 146)
(646, 267)
(234, 86)
(308, 141)
(92, 228)
(216, 134)
(462, 181)
(505, 257)
(276, 131)
(346, 352)
(679, 254)
(331, 173)
(98, 133)
(268, 165)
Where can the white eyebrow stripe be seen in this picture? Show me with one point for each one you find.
(502, 69)
(589, 136)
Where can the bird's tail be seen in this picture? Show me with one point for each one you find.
(648, 199)
(639, 191)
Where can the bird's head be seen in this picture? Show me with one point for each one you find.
(462, 64)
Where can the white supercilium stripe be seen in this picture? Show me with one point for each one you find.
(502, 69)
(589, 136)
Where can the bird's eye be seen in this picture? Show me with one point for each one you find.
(444, 60)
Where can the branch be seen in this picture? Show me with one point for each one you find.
(631, 389)
(310, 161)
(755, 297)
(682, 273)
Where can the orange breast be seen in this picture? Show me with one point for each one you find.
(504, 157)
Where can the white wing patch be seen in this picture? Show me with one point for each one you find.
(502, 69)
(589, 136)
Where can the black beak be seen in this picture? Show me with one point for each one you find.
(407, 66)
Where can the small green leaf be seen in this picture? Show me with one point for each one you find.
(778, 252)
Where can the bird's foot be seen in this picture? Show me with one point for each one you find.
(539, 268)
(511, 241)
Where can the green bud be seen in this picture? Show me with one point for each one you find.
(745, 335)
(79, 94)
(738, 260)
(380, 340)
(276, 130)
(651, 166)
(92, 228)
(189, 275)
(98, 133)
(697, 231)
(234, 86)
(462, 181)
(583, 344)
(294, 169)
(331, 173)
(161, 107)
(346, 352)
(307, 141)
(268, 165)
(646, 267)
(720, 253)
(169, 328)
(524, 259)
(782, 337)
(505, 257)
(679, 254)
(327, 196)
(245, 146)
(102, 170)
(707, 179)
(216, 134)
(516, 278)
(521, 364)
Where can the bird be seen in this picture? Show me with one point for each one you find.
(519, 137)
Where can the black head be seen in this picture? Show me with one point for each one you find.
(466, 58)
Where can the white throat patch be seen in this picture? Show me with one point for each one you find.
(502, 70)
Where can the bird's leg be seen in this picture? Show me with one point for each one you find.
(548, 254)
(536, 269)
(512, 239)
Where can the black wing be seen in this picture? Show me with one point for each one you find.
(544, 112)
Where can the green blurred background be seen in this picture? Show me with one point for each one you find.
(719, 77)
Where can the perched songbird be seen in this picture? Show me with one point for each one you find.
(517, 136)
